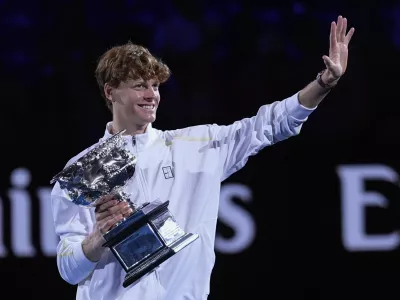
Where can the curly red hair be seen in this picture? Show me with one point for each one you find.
(125, 62)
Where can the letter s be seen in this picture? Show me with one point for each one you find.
(237, 218)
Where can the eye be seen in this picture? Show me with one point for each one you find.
(139, 86)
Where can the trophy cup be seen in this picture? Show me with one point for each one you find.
(150, 234)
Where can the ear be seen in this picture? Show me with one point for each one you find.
(108, 92)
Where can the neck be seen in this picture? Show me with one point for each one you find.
(129, 127)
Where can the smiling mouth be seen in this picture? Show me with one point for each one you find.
(147, 107)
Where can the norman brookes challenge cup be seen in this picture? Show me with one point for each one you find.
(144, 239)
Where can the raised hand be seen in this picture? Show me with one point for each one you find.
(336, 62)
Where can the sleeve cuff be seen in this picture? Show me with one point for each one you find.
(295, 109)
(81, 260)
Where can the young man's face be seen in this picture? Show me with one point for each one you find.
(136, 101)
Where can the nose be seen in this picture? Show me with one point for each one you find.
(150, 93)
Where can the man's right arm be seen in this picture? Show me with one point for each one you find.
(73, 225)
(81, 232)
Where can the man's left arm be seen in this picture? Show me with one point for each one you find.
(336, 65)
(282, 119)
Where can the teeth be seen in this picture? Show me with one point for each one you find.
(148, 107)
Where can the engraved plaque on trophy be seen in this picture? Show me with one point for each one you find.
(150, 234)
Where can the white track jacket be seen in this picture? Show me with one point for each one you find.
(186, 167)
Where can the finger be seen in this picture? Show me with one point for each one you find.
(117, 208)
(332, 36)
(328, 62)
(101, 223)
(108, 209)
(349, 36)
(126, 215)
(339, 28)
(103, 199)
(100, 216)
(107, 205)
(343, 30)
(122, 208)
(126, 211)
(110, 222)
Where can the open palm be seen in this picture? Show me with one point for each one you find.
(336, 62)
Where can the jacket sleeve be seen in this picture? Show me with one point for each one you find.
(273, 123)
(72, 224)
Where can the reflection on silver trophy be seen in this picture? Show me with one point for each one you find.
(144, 239)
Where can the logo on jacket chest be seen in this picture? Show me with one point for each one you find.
(168, 172)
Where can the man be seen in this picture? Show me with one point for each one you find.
(184, 166)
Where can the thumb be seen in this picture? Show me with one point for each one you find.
(328, 62)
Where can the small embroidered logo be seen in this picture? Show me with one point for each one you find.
(168, 172)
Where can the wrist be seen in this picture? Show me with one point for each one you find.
(326, 79)
(92, 247)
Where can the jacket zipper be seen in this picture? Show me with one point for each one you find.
(140, 173)
(146, 196)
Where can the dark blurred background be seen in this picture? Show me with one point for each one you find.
(322, 213)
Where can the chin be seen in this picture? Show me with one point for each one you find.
(148, 120)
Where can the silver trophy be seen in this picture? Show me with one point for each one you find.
(150, 234)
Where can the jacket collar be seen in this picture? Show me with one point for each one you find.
(143, 140)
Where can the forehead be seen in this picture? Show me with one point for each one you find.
(140, 80)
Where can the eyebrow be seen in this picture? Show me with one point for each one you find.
(139, 82)
(145, 82)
